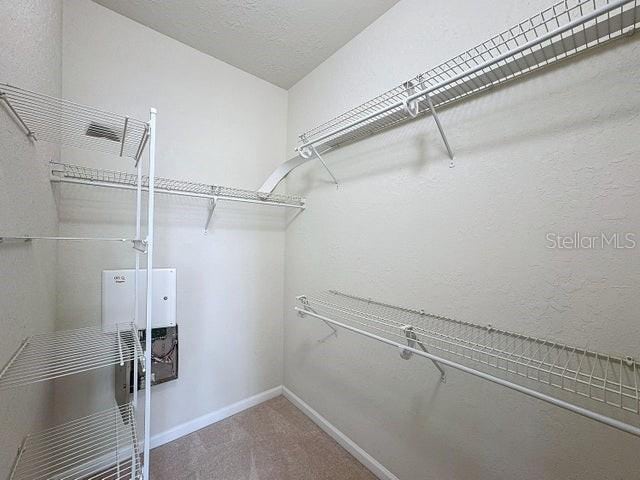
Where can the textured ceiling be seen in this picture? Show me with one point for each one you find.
(277, 40)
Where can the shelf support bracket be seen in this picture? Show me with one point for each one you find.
(305, 305)
(138, 347)
(412, 341)
(141, 146)
(16, 461)
(440, 129)
(13, 358)
(309, 152)
(119, 344)
(212, 206)
(29, 132)
(124, 134)
(412, 108)
(140, 245)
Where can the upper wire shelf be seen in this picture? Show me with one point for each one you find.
(98, 447)
(63, 122)
(606, 379)
(562, 30)
(48, 356)
(91, 176)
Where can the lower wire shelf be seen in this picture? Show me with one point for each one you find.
(520, 362)
(102, 446)
(52, 355)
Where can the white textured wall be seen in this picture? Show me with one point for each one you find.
(30, 40)
(555, 152)
(216, 124)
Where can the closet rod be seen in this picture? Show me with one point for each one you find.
(421, 93)
(612, 422)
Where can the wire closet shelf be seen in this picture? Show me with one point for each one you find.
(63, 122)
(102, 446)
(558, 32)
(66, 173)
(48, 356)
(607, 380)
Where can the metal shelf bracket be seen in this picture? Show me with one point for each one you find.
(140, 245)
(309, 152)
(305, 305)
(411, 93)
(212, 206)
(411, 107)
(141, 146)
(28, 131)
(440, 129)
(412, 341)
(120, 345)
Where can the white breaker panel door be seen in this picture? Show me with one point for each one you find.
(118, 298)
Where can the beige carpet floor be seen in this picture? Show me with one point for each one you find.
(272, 441)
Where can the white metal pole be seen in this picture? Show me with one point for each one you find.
(147, 377)
(136, 300)
(612, 422)
(136, 296)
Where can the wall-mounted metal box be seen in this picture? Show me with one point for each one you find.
(118, 298)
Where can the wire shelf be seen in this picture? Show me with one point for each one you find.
(48, 356)
(562, 30)
(609, 379)
(92, 176)
(102, 446)
(63, 122)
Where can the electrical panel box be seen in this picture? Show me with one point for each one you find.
(164, 363)
(118, 298)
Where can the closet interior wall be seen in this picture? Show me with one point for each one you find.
(230, 282)
(31, 38)
(554, 152)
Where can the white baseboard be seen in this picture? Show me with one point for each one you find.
(349, 445)
(213, 417)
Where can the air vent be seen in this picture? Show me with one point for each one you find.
(101, 131)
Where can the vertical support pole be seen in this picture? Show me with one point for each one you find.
(117, 433)
(147, 377)
(136, 359)
(136, 295)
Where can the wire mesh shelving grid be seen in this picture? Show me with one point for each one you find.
(560, 31)
(48, 356)
(63, 122)
(609, 379)
(80, 174)
(102, 446)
